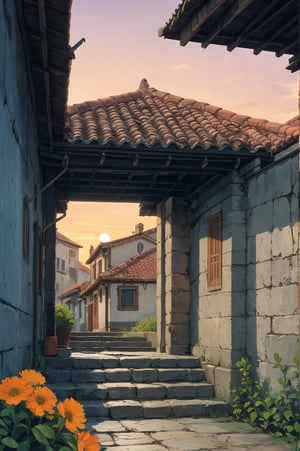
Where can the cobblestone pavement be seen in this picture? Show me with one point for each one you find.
(182, 434)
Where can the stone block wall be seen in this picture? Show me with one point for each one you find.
(19, 319)
(255, 312)
(273, 266)
(173, 286)
(218, 327)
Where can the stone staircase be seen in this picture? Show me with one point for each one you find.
(110, 341)
(133, 385)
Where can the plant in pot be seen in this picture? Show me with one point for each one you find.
(64, 320)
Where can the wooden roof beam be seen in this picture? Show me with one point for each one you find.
(257, 21)
(287, 47)
(237, 7)
(294, 63)
(274, 34)
(198, 20)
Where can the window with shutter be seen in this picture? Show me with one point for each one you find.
(128, 298)
(214, 252)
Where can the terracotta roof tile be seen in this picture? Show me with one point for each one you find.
(140, 268)
(70, 290)
(294, 121)
(149, 117)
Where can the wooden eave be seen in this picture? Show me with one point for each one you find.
(46, 26)
(255, 24)
(141, 175)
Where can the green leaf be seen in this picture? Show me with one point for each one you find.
(70, 439)
(21, 416)
(277, 357)
(65, 448)
(253, 416)
(39, 435)
(47, 431)
(10, 442)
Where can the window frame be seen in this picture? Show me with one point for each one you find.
(135, 289)
(214, 251)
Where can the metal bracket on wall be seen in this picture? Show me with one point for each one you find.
(66, 160)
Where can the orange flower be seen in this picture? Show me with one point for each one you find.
(73, 412)
(41, 401)
(13, 390)
(32, 377)
(88, 442)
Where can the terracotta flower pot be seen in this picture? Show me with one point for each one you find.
(50, 346)
(63, 334)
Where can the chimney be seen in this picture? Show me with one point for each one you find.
(139, 228)
(91, 250)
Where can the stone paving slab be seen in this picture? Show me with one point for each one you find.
(182, 434)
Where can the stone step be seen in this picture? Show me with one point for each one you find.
(76, 345)
(99, 338)
(129, 408)
(141, 392)
(79, 360)
(142, 375)
(120, 348)
(134, 385)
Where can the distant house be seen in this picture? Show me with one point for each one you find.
(69, 271)
(72, 298)
(122, 290)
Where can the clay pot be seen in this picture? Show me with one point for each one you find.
(63, 334)
(50, 346)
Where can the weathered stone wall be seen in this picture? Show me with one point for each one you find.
(173, 287)
(273, 265)
(19, 169)
(218, 328)
(255, 311)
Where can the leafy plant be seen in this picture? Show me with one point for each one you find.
(32, 419)
(145, 325)
(63, 315)
(278, 412)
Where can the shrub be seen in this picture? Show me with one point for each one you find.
(145, 325)
(278, 412)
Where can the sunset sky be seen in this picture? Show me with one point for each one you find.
(122, 47)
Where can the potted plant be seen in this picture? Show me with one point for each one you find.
(64, 320)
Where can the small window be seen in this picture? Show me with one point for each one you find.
(99, 267)
(214, 252)
(25, 229)
(140, 247)
(73, 273)
(128, 298)
(72, 253)
(80, 309)
(60, 264)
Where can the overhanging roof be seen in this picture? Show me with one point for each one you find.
(148, 145)
(271, 25)
(46, 24)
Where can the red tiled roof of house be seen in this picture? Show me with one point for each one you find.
(76, 287)
(61, 237)
(150, 118)
(140, 268)
(71, 289)
(294, 122)
(145, 234)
